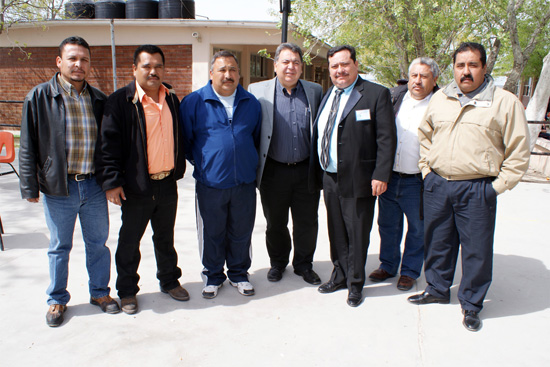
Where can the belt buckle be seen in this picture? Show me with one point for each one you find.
(80, 177)
(160, 176)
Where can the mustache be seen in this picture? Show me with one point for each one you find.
(153, 76)
(467, 77)
(228, 80)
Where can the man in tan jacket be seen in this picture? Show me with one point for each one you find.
(473, 146)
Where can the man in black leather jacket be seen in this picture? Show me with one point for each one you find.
(59, 128)
(140, 158)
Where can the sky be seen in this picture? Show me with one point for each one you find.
(236, 9)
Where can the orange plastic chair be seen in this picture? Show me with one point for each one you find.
(1, 231)
(6, 140)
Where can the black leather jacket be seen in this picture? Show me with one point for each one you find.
(121, 155)
(42, 155)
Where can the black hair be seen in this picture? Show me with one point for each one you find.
(73, 40)
(336, 49)
(471, 46)
(150, 49)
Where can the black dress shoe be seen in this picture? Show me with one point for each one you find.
(471, 320)
(275, 274)
(424, 298)
(355, 298)
(330, 287)
(309, 276)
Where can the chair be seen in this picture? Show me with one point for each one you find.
(6, 139)
(1, 231)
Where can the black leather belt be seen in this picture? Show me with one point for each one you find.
(288, 164)
(407, 175)
(81, 176)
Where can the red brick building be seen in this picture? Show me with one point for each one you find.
(188, 46)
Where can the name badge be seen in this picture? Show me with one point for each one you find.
(485, 104)
(362, 115)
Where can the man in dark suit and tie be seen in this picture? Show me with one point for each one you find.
(354, 144)
(289, 106)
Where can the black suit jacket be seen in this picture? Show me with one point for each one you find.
(366, 148)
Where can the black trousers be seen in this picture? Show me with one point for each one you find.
(284, 188)
(349, 226)
(137, 211)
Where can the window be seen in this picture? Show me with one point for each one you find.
(258, 66)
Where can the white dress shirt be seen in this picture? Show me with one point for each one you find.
(322, 122)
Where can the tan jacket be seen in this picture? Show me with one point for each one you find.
(488, 137)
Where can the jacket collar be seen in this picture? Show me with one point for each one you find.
(208, 93)
(131, 94)
(486, 95)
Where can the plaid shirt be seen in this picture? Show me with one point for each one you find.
(80, 128)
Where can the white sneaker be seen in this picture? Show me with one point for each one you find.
(245, 288)
(210, 291)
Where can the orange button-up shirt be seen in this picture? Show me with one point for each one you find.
(160, 131)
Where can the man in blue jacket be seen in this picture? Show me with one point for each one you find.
(221, 128)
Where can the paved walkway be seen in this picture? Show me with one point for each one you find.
(285, 324)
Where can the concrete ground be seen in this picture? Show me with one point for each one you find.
(285, 324)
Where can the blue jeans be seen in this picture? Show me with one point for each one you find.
(87, 200)
(401, 198)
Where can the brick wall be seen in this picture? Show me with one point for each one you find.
(19, 74)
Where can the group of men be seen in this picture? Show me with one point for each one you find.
(437, 159)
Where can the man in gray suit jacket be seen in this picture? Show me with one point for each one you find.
(289, 106)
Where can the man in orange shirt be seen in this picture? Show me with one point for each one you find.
(140, 158)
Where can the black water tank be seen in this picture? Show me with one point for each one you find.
(79, 9)
(110, 9)
(142, 9)
(183, 9)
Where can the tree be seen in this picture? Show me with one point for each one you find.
(388, 35)
(15, 11)
(527, 18)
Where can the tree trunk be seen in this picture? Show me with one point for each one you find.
(491, 60)
(514, 77)
(536, 109)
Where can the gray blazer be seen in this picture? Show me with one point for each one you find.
(265, 93)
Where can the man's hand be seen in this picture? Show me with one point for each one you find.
(378, 187)
(116, 195)
(33, 200)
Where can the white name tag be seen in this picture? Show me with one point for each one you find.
(362, 115)
(485, 104)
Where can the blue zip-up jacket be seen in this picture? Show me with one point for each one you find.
(224, 154)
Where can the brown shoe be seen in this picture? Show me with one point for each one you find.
(379, 275)
(405, 283)
(129, 305)
(54, 316)
(106, 303)
(179, 293)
